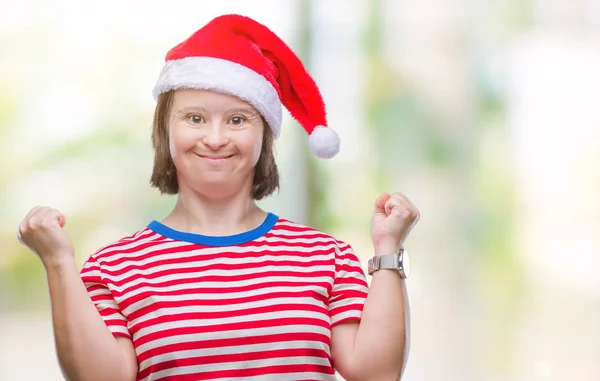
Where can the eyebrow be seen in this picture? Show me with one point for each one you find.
(191, 108)
(245, 110)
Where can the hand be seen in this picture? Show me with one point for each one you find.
(42, 232)
(393, 218)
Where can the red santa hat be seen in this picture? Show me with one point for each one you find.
(236, 55)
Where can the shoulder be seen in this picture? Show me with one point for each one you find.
(288, 229)
(131, 243)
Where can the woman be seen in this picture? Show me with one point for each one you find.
(220, 289)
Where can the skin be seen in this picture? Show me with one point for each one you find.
(215, 143)
(214, 194)
(375, 348)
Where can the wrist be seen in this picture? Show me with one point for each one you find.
(59, 262)
(394, 260)
(386, 249)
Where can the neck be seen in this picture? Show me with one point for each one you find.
(202, 214)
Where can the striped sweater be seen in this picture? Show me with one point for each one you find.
(254, 306)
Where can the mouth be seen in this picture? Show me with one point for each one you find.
(216, 159)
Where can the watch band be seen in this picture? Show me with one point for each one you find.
(388, 261)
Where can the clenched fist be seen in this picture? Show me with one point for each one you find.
(42, 231)
(393, 218)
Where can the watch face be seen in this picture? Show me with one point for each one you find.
(405, 263)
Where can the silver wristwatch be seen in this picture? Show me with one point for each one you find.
(398, 261)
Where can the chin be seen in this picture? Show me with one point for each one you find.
(212, 189)
(217, 184)
(217, 175)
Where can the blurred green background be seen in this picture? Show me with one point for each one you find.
(484, 113)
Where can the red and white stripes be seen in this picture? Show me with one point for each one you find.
(261, 309)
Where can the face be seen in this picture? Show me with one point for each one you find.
(215, 141)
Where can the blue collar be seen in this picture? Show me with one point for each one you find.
(229, 240)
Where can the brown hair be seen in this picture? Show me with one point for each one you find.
(164, 173)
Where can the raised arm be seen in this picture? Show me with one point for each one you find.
(87, 350)
(376, 347)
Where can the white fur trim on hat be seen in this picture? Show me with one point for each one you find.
(208, 73)
(324, 142)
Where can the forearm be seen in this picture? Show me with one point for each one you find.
(381, 337)
(86, 348)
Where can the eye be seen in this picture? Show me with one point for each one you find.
(195, 119)
(237, 120)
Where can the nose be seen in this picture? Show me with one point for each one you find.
(215, 136)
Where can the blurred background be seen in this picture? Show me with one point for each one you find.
(485, 114)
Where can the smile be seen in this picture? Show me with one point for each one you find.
(215, 159)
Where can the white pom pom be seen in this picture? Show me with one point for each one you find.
(324, 142)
